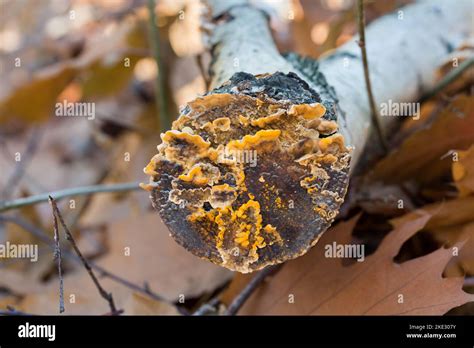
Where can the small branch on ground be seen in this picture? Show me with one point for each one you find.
(244, 295)
(207, 308)
(57, 256)
(107, 296)
(373, 108)
(76, 191)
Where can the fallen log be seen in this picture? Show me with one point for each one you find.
(253, 172)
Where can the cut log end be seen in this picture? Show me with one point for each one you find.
(252, 173)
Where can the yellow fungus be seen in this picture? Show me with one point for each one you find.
(337, 139)
(195, 139)
(195, 175)
(308, 111)
(251, 140)
(263, 121)
(222, 123)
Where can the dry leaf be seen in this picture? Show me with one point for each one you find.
(421, 155)
(464, 52)
(321, 285)
(463, 172)
(100, 66)
(138, 304)
(35, 100)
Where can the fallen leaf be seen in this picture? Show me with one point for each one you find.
(324, 286)
(138, 304)
(35, 98)
(463, 52)
(463, 172)
(424, 155)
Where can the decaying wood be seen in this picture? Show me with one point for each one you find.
(307, 123)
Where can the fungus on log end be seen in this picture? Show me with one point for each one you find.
(252, 173)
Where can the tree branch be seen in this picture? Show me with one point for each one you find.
(249, 289)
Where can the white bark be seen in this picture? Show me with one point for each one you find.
(404, 50)
(243, 44)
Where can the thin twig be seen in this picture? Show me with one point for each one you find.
(448, 79)
(41, 235)
(373, 109)
(76, 191)
(57, 256)
(106, 295)
(208, 307)
(160, 98)
(244, 295)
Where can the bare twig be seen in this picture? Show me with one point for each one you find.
(208, 307)
(107, 296)
(160, 98)
(57, 256)
(448, 79)
(241, 298)
(373, 109)
(76, 191)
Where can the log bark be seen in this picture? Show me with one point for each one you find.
(306, 121)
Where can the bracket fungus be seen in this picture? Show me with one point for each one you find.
(251, 173)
